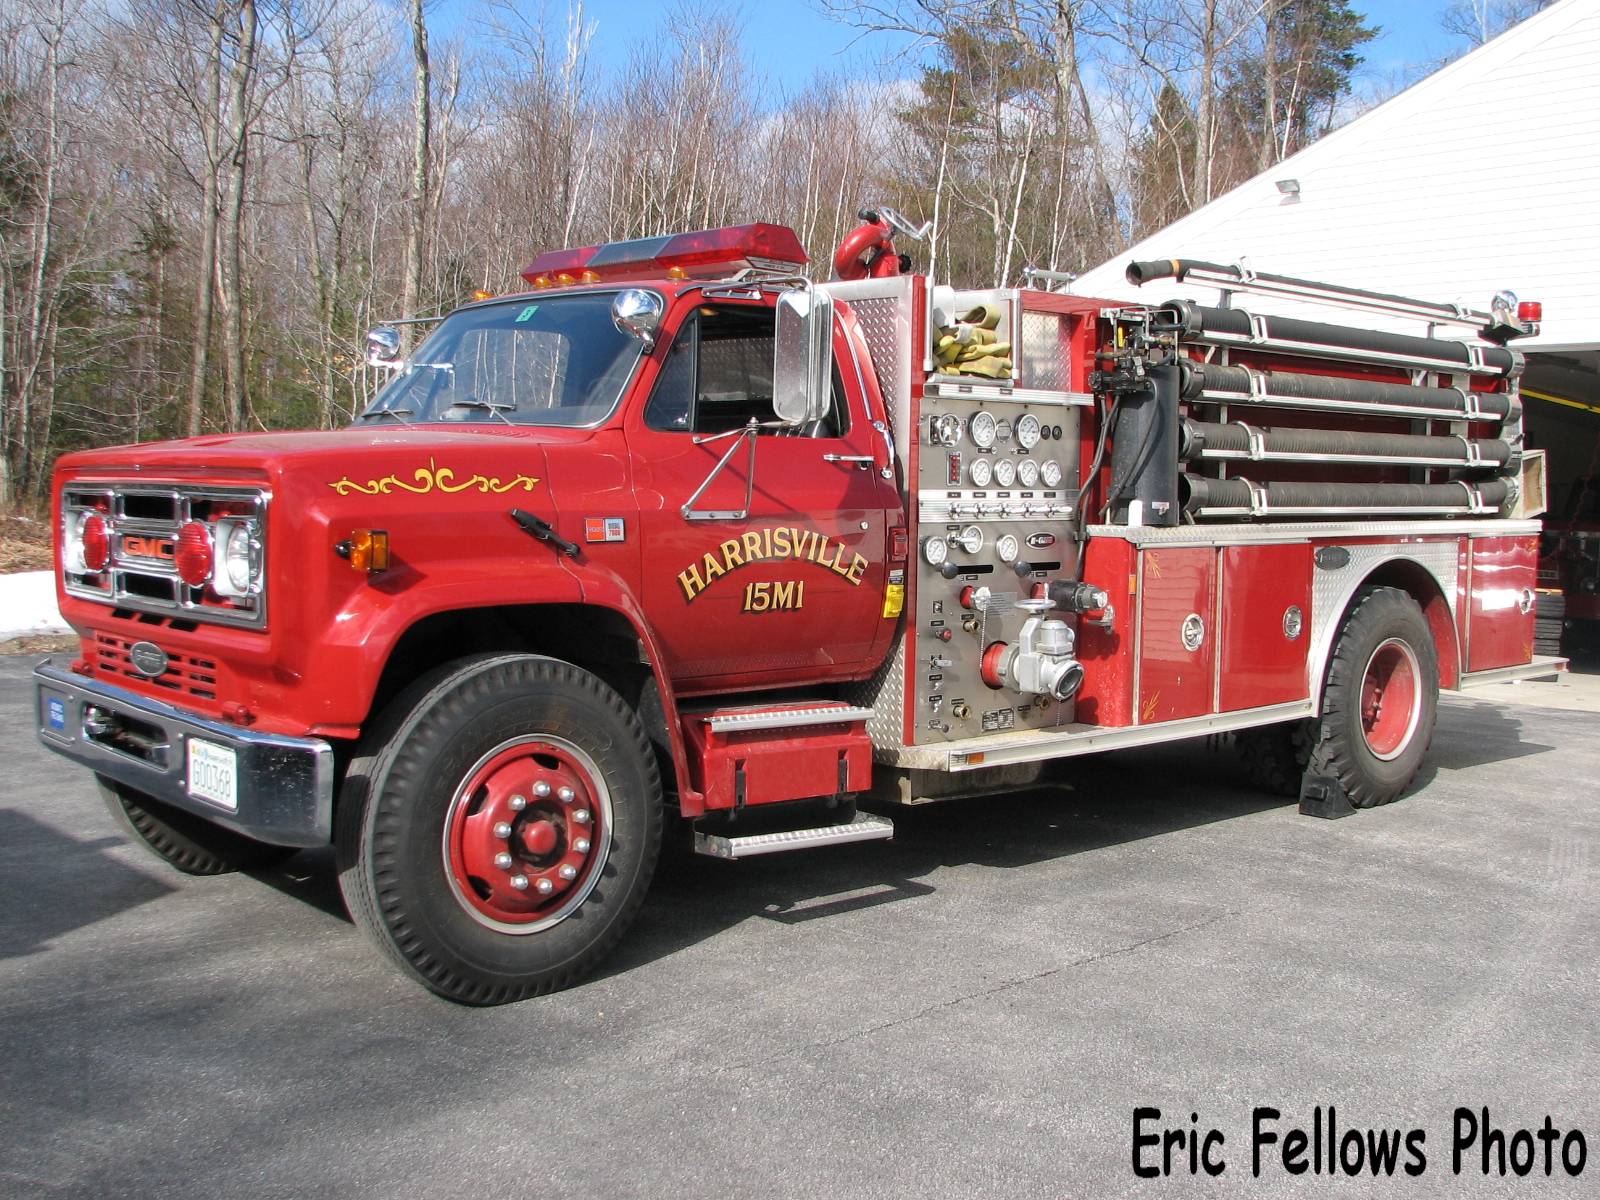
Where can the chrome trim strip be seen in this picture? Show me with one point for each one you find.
(1071, 740)
(1543, 666)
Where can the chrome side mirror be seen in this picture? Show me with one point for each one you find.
(638, 314)
(802, 357)
(383, 347)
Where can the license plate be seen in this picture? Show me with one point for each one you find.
(214, 774)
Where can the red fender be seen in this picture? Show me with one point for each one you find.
(851, 260)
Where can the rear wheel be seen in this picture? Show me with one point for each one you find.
(1549, 623)
(501, 833)
(1274, 756)
(192, 844)
(1379, 700)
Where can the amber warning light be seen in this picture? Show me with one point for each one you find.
(705, 254)
(366, 550)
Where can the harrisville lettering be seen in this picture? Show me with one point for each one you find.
(773, 544)
(1329, 1144)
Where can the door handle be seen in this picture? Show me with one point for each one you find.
(864, 460)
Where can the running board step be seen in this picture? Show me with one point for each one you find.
(866, 827)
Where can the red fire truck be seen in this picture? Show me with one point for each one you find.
(680, 538)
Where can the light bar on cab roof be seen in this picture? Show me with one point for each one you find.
(704, 254)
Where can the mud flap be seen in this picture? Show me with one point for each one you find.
(1324, 796)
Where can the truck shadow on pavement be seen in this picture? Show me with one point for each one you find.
(54, 883)
(1090, 804)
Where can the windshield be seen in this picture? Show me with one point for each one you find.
(557, 360)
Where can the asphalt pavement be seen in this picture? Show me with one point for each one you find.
(975, 1009)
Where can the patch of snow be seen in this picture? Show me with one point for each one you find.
(28, 604)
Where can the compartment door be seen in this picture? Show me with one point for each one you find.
(1266, 625)
(1177, 633)
(1500, 628)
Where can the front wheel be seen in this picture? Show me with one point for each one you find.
(501, 836)
(191, 844)
(1379, 700)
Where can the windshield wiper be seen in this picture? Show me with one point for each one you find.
(399, 414)
(488, 406)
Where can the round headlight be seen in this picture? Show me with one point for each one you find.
(238, 559)
(72, 543)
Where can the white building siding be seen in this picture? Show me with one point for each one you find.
(1483, 176)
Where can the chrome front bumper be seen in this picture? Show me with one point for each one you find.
(284, 784)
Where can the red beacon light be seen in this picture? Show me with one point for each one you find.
(1530, 312)
(704, 254)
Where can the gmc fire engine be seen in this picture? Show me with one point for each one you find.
(680, 537)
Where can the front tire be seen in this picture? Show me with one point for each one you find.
(1380, 698)
(500, 835)
(191, 844)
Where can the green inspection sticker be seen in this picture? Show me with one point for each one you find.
(527, 313)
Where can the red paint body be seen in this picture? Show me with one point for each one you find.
(1501, 623)
(711, 605)
(1175, 681)
(1260, 663)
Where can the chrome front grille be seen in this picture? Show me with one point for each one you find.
(142, 525)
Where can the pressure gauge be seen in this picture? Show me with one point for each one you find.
(1005, 472)
(1050, 472)
(946, 430)
(982, 429)
(1027, 431)
(981, 471)
(934, 550)
(969, 539)
(1028, 473)
(1006, 548)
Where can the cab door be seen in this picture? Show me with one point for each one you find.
(777, 573)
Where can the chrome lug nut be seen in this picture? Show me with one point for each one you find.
(581, 845)
(503, 861)
(518, 803)
(546, 887)
(566, 795)
(568, 872)
(520, 882)
(502, 829)
(581, 816)
(541, 789)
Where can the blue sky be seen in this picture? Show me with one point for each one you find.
(790, 40)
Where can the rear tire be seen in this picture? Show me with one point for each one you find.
(191, 844)
(1274, 757)
(500, 832)
(1549, 623)
(1380, 698)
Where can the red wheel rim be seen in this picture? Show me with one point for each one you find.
(1391, 699)
(527, 833)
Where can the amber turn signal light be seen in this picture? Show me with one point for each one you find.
(366, 550)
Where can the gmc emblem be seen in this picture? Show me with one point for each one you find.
(158, 548)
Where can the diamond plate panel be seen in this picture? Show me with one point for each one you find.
(880, 322)
(1331, 589)
(1044, 362)
(885, 695)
